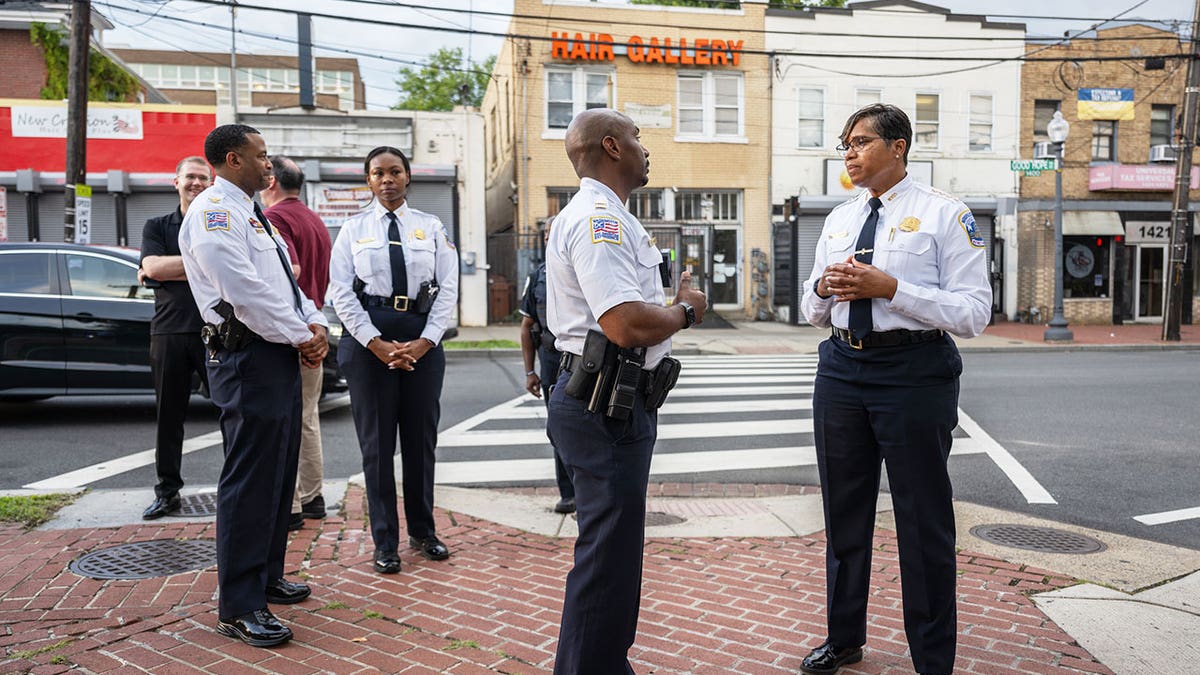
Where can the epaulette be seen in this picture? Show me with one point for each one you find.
(848, 201)
(929, 189)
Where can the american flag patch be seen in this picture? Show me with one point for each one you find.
(216, 220)
(605, 229)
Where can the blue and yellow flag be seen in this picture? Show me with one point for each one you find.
(1105, 104)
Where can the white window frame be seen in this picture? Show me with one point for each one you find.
(709, 111)
(991, 122)
(937, 122)
(578, 93)
(858, 104)
(821, 138)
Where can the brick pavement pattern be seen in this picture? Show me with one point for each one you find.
(711, 605)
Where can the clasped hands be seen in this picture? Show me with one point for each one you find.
(313, 352)
(855, 280)
(402, 355)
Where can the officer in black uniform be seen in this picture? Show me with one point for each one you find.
(536, 338)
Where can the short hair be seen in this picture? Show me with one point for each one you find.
(194, 159)
(225, 139)
(890, 122)
(387, 150)
(287, 174)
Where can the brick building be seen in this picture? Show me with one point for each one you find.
(695, 80)
(1118, 178)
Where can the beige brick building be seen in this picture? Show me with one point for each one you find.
(696, 81)
(1118, 178)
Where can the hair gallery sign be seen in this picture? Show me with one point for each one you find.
(682, 51)
(51, 122)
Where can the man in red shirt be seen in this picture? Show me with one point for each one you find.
(309, 247)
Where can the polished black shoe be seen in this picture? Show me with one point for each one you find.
(565, 505)
(259, 628)
(284, 592)
(387, 562)
(431, 547)
(295, 522)
(829, 658)
(161, 506)
(315, 508)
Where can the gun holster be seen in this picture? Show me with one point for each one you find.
(662, 381)
(583, 381)
(425, 297)
(232, 335)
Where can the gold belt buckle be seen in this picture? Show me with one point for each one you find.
(396, 303)
(854, 344)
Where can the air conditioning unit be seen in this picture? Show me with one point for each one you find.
(1162, 153)
(1044, 150)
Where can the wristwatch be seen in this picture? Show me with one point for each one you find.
(689, 314)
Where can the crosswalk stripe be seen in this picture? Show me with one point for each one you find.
(768, 390)
(666, 432)
(530, 412)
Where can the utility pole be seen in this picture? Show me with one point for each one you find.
(1180, 222)
(77, 105)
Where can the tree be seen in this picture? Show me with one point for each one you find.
(106, 80)
(446, 80)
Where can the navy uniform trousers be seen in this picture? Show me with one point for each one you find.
(899, 405)
(548, 364)
(382, 401)
(173, 359)
(258, 392)
(609, 461)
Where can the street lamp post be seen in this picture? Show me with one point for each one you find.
(1056, 330)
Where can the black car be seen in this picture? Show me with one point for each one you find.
(75, 321)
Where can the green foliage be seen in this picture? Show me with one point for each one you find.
(106, 80)
(481, 344)
(438, 85)
(32, 510)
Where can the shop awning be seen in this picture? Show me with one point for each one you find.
(1092, 222)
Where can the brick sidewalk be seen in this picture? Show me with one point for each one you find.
(709, 605)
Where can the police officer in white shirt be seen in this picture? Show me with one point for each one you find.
(393, 282)
(897, 269)
(603, 275)
(257, 319)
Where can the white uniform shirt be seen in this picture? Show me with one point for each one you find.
(229, 255)
(599, 256)
(361, 250)
(927, 240)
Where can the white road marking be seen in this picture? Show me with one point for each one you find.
(1169, 516)
(666, 432)
(1020, 477)
(528, 412)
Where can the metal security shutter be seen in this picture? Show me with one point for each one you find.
(142, 206)
(18, 218)
(437, 199)
(808, 233)
(986, 224)
(50, 216)
(104, 219)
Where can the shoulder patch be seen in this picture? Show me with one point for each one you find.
(967, 220)
(605, 229)
(216, 220)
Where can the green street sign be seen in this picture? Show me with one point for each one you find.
(1033, 173)
(1031, 165)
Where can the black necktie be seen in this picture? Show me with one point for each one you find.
(287, 264)
(396, 253)
(860, 310)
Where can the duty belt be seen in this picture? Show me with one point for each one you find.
(569, 361)
(400, 303)
(887, 338)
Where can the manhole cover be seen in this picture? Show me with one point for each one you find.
(146, 559)
(1043, 539)
(658, 519)
(203, 505)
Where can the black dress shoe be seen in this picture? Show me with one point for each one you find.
(430, 547)
(387, 562)
(259, 628)
(565, 505)
(315, 508)
(161, 506)
(284, 592)
(829, 658)
(296, 522)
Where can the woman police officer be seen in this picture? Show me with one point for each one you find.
(394, 284)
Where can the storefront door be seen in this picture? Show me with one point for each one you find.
(1150, 270)
(696, 259)
(726, 269)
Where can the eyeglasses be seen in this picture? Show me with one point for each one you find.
(858, 143)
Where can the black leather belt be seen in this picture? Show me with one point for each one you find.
(400, 303)
(887, 338)
(567, 364)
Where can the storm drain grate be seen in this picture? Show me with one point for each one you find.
(203, 505)
(658, 519)
(147, 559)
(1042, 539)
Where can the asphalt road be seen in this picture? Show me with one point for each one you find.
(1110, 435)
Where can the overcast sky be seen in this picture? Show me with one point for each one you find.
(382, 50)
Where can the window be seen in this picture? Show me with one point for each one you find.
(927, 121)
(557, 199)
(712, 205)
(710, 105)
(1104, 140)
(811, 118)
(571, 91)
(169, 75)
(1085, 266)
(1043, 112)
(979, 133)
(103, 278)
(25, 273)
(1162, 125)
(646, 205)
(866, 97)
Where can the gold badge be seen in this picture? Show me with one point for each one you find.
(910, 224)
(419, 234)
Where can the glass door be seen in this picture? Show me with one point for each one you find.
(1151, 276)
(695, 256)
(726, 267)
